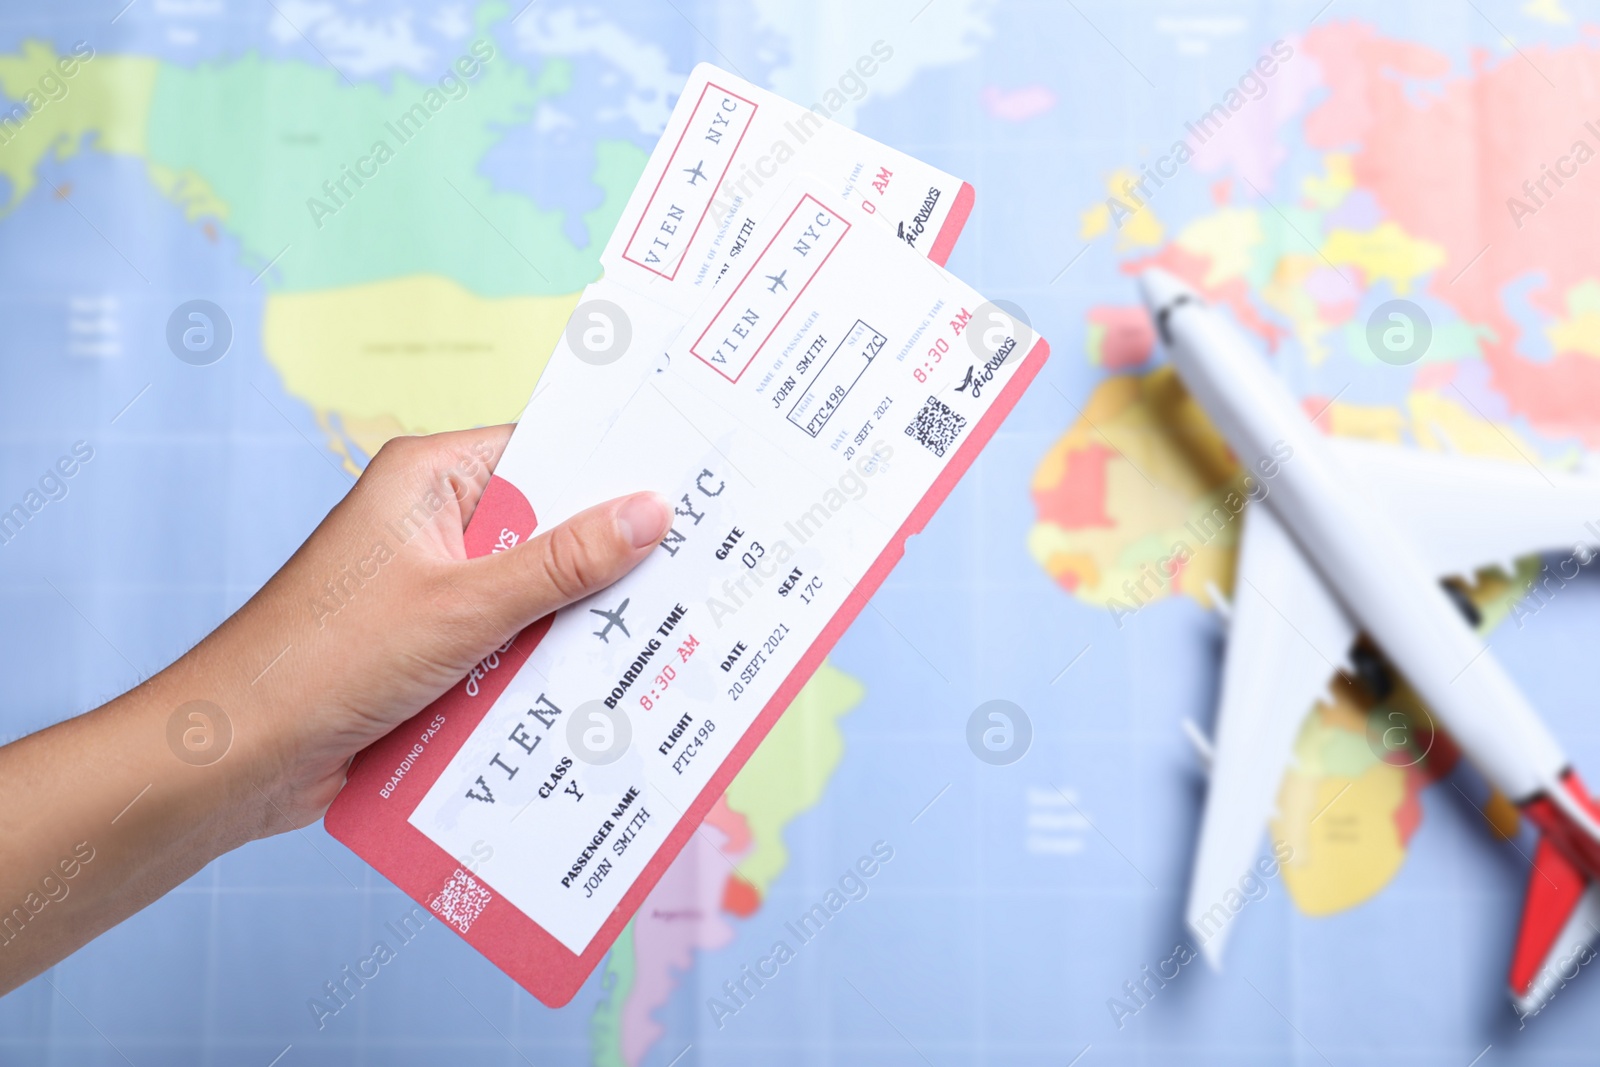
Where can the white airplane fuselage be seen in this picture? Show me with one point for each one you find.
(1362, 556)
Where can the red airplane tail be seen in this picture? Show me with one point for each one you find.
(1560, 916)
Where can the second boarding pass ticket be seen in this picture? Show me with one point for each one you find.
(729, 148)
(801, 431)
(727, 141)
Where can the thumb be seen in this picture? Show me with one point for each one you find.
(583, 555)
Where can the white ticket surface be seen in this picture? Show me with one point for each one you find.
(801, 430)
(730, 149)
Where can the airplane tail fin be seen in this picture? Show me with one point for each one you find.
(1561, 914)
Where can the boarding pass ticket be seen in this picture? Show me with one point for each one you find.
(801, 435)
(729, 147)
(802, 432)
(725, 142)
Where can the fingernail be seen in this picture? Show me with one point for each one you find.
(642, 519)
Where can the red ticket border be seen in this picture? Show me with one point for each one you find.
(673, 158)
(751, 273)
(945, 243)
(377, 829)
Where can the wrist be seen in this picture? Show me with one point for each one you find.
(225, 732)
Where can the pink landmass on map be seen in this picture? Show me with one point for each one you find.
(1129, 338)
(1474, 380)
(1319, 409)
(1431, 377)
(1330, 291)
(1016, 105)
(1078, 500)
(1193, 268)
(733, 825)
(681, 916)
(1249, 143)
(1408, 816)
(1445, 163)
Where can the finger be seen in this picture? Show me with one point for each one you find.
(455, 465)
(463, 460)
(486, 443)
(581, 556)
(476, 454)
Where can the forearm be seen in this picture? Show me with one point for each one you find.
(378, 613)
(103, 813)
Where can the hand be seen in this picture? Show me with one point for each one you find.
(375, 616)
(366, 653)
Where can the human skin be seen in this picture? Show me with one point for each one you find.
(304, 689)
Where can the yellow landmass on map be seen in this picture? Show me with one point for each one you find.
(104, 104)
(1384, 254)
(1549, 11)
(1164, 470)
(788, 772)
(1343, 832)
(1137, 224)
(1339, 804)
(1286, 291)
(1328, 192)
(412, 355)
(107, 98)
(1579, 330)
(1370, 422)
(189, 191)
(1439, 422)
(1347, 813)
(1229, 238)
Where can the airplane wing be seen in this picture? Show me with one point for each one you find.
(1463, 514)
(1286, 639)
(1289, 635)
(1466, 513)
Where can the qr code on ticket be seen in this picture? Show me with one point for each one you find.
(936, 426)
(460, 901)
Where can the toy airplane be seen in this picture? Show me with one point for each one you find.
(1351, 538)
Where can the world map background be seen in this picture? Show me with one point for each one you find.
(1375, 163)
